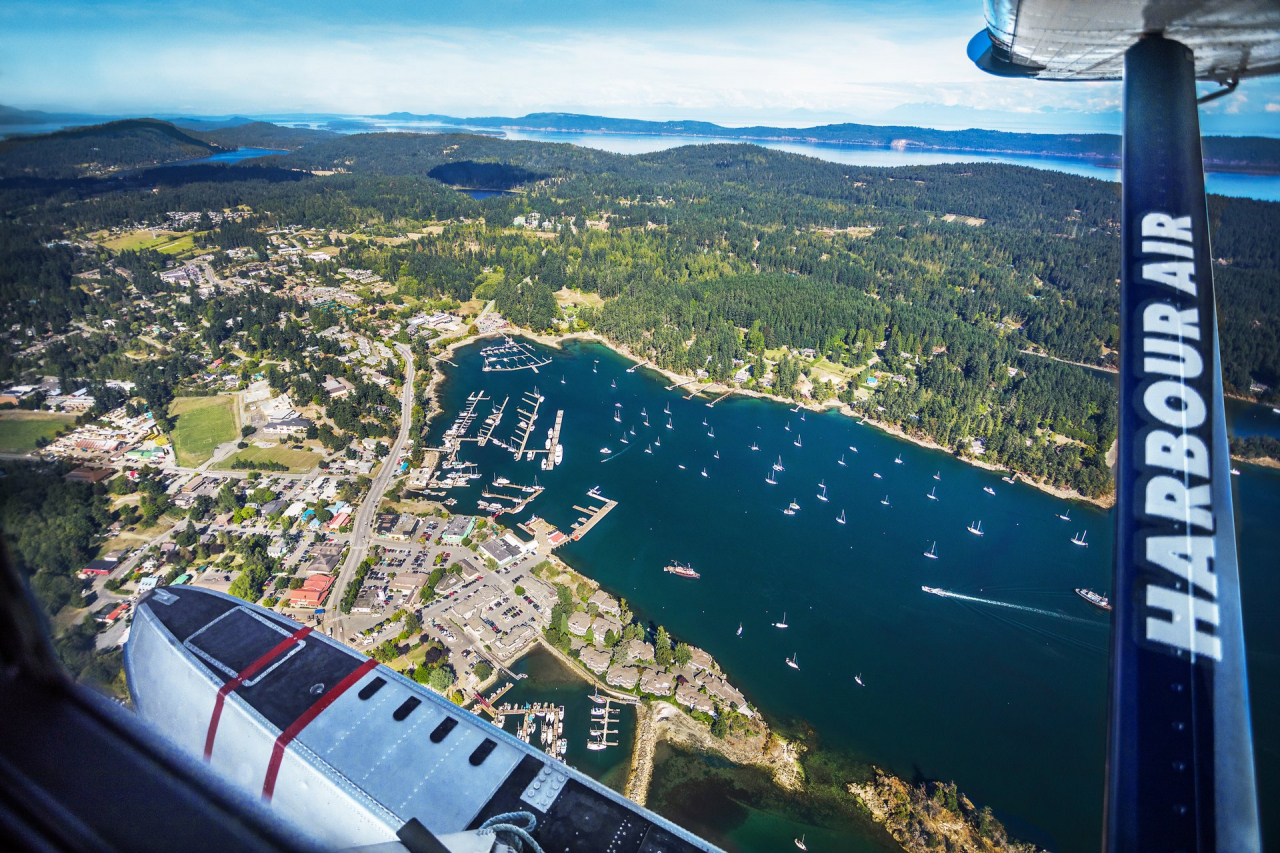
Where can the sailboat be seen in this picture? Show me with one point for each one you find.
(769, 479)
(595, 367)
(667, 410)
(562, 379)
(788, 426)
(800, 842)
(932, 553)
(1065, 516)
(793, 505)
(791, 662)
(739, 629)
(885, 501)
(788, 511)
(613, 384)
(933, 496)
(783, 623)
(617, 416)
(802, 416)
(1079, 539)
(623, 439)
(669, 426)
(649, 449)
(777, 466)
(899, 459)
(937, 476)
(704, 421)
(711, 432)
(858, 678)
(755, 446)
(841, 461)
(841, 519)
(797, 442)
(704, 472)
(823, 486)
(633, 430)
(717, 454)
(976, 531)
(643, 413)
(657, 442)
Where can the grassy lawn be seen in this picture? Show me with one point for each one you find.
(169, 242)
(297, 460)
(19, 430)
(202, 424)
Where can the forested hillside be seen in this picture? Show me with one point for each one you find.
(100, 149)
(958, 285)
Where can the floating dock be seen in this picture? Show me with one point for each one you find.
(509, 355)
(593, 514)
(491, 422)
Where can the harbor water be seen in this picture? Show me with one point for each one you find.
(1000, 685)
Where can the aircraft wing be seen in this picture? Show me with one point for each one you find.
(1087, 39)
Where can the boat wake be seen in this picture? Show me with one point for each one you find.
(1037, 610)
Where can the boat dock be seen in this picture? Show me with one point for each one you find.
(718, 399)
(695, 392)
(509, 355)
(632, 368)
(527, 419)
(491, 422)
(681, 384)
(543, 718)
(602, 717)
(591, 515)
(553, 441)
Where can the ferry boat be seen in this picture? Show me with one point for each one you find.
(841, 461)
(885, 501)
(791, 662)
(898, 461)
(932, 553)
(933, 496)
(976, 531)
(1078, 539)
(823, 495)
(988, 490)
(783, 623)
(877, 475)
(682, 571)
(1094, 599)
(841, 519)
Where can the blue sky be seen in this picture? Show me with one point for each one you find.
(745, 61)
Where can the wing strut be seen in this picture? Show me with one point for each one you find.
(1179, 752)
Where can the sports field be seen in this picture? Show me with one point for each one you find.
(20, 430)
(169, 242)
(202, 423)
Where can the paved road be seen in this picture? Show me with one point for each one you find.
(362, 526)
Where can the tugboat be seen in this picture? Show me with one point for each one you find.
(1093, 598)
(682, 571)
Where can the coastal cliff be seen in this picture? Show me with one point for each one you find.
(934, 816)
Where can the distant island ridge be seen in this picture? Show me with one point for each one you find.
(1255, 154)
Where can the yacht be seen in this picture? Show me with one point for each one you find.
(933, 496)
(704, 472)
(854, 449)
(769, 479)
(877, 475)
(1078, 539)
(739, 629)
(885, 501)
(559, 453)
(823, 495)
(988, 490)
(1094, 599)
(976, 531)
(932, 553)
(682, 571)
(791, 662)
(858, 678)
(605, 450)
(898, 461)
(783, 623)
(797, 442)
(841, 519)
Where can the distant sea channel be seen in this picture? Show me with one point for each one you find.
(1234, 184)
(1002, 689)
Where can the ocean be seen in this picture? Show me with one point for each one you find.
(1001, 687)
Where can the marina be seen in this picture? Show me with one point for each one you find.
(513, 355)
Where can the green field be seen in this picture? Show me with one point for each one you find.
(297, 460)
(202, 424)
(169, 242)
(19, 431)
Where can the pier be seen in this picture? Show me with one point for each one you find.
(509, 355)
(695, 392)
(553, 441)
(592, 515)
(491, 423)
(632, 368)
(528, 418)
(534, 716)
(712, 404)
(681, 384)
(602, 714)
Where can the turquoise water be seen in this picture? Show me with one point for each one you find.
(1005, 692)
(231, 156)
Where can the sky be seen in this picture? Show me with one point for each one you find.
(783, 62)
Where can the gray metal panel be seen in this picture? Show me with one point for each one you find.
(397, 764)
(1086, 39)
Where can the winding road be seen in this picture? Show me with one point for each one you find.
(362, 526)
